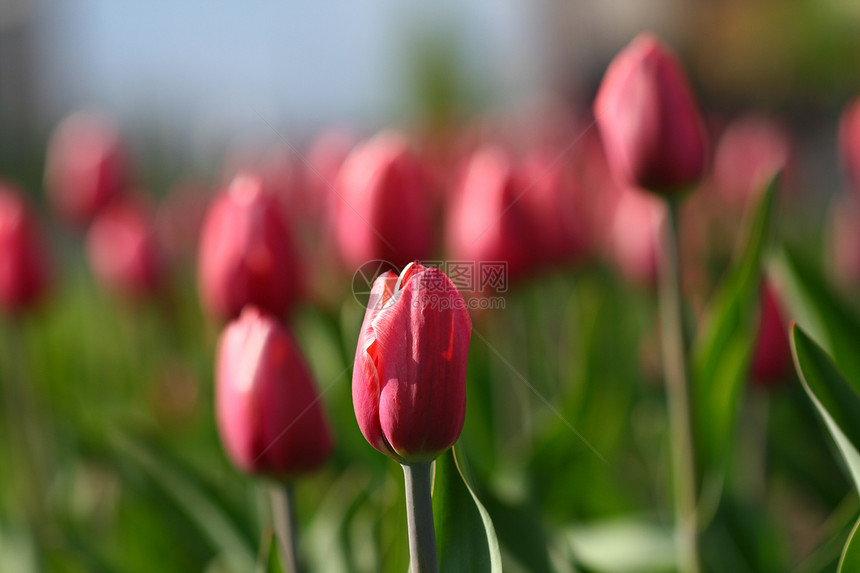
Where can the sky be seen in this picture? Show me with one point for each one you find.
(220, 65)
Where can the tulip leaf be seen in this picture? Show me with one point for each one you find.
(624, 545)
(815, 307)
(465, 536)
(722, 355)
(837, 402)
(850, 560)
(223, 534)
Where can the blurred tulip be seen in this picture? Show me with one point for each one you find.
(849, 144)
(649, 120)
(772, 357)
(246, 253)
(635, 241)
(123, 250)
(23, 261)
(844, 241)
(751, 150)
(486, 220)
(85, 166)
(384, 211)
(180, 218)
(556, 204)
(409, 378)
(269, 416)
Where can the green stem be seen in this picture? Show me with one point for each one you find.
(284, 517)
(419, 516)
(677, 391)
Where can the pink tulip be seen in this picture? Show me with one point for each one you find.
(268, 411)
(844, 241)
(635, 239)
(409, 377)
(123, 249)
(649, 120)
(383, 212)
(246, 253)
(23, 262)
(849, 143)
(751, 150)
(487, 220)
(85, 166)
(772, 356)
(555, 202)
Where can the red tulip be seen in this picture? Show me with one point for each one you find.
(267, 407)
(849, 143)
(555, 201)
(635, 239)
(246, 252)
(844, 241)
(409, 377)
(123, 250)
(772, 357)
(85, 166)
(649, 120)
(383, 212)
(487, 220)
(751, 150)
(23, 263)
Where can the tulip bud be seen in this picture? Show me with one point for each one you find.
(636, 236)
(844, 241)
(23, 263)
(555, 202)
(849, 143)
(267, 408)
(772, 356)
(383, 212)
(751, 150)
(409, 377)
(85, 167)
(649, 120)
(123, 250)
(246, 252)
(487, 222)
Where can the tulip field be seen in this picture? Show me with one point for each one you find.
(616, 338)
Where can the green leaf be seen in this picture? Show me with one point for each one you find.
(223, 534)
(465, 536)
(836, 400)
(722, 354)
(815, 307)
(624, 545)
(850, 560)
(269, 560)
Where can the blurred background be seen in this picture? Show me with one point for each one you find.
(115, 462)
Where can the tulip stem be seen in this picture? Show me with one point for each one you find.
(419, 516)
(677, 395)
(284, 517)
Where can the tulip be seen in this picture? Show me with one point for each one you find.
(85, 166)
(487, 221)
(179, 220)
(246, 253)
(649, 120)
(555, 202)
(123, 250)
(849, 143)
(409, 378)
(844, 241)
(635, 240)
(267, 407)
(751, 150)
(23, 262)
(383, 212)
(772, 355)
